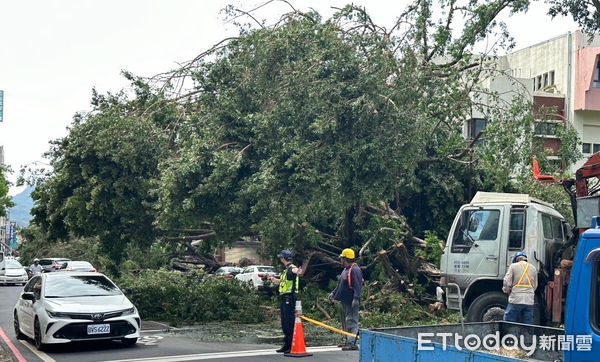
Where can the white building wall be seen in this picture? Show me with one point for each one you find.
(539, 59)
(558, 55)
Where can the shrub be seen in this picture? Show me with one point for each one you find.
(192, 297)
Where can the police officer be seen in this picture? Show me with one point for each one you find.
(520, 283)
(288, 288)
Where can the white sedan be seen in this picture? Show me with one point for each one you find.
(12, 272)
(256, 275)
(71, 306)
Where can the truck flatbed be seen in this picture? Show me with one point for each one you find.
(425, 343)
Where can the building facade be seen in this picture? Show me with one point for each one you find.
(3, 220)
(561, 77)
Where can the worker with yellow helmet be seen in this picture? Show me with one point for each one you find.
(347, 293)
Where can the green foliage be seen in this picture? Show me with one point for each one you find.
(5, 202)
(383, 231)
(551, 193)
(586, 13)
(434, 248)
(294, 128)
(102, 180)
(87, 249)
(391, 309)
(192, 297)
(156, 256)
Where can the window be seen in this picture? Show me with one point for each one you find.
(557, 229)
(32, 282)
(553, 228)
(551, 76)
(588, 148)
(539, 82)
(546, 80)
(475, 225)
(476, 125)
(547, 226)
(517, 229)
(546, 128)
(596, 83)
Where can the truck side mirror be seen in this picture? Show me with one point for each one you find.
(568, 230)
(473, 224)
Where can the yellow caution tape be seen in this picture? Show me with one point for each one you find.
(330, 328)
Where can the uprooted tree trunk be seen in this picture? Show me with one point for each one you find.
(399, 259)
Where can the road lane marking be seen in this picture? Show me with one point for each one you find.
(213, 355)
(15, 351)
(150, 340)
(43, 356)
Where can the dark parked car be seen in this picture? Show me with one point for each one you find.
(52, 264)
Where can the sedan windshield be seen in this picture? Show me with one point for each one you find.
(13, 264)
(69, 286)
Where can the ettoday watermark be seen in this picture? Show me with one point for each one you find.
(495, 342)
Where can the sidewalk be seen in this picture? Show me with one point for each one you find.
(157, 326)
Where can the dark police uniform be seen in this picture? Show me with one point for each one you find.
(288, 288)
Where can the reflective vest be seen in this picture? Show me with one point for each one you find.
(288, 286)
(350, 275)
(520, 283)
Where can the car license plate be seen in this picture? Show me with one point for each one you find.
(98, 328)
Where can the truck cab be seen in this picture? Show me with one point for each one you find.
(484, 237)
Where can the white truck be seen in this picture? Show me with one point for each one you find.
(484, 237)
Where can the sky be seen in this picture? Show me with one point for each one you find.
(53, 52)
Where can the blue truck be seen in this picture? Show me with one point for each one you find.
(504, 341)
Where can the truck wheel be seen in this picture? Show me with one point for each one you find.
(487, 307)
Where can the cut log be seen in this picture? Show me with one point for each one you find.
(320, 268)
(429, 269)
(319, 307)
(389, 270)
(404, 260)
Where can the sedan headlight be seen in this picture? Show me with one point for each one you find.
(129, 311)
(57, 314)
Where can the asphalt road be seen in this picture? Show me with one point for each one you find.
(155, 345)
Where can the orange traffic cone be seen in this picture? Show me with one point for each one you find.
(298, 346)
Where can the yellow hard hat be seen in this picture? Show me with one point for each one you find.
(348, 254)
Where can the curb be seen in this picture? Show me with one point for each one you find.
(8, 351)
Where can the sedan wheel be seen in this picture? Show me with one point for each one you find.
(16, 325)
(37, 340)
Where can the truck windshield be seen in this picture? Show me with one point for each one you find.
(477, 225)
